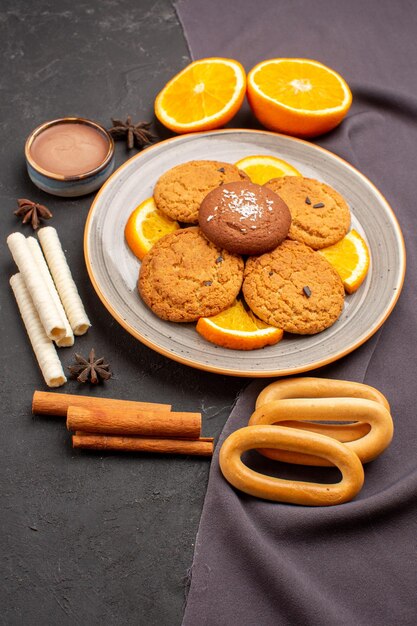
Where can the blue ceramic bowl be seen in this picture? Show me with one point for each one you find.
(69, 186)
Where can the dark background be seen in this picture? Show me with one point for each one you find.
(87, 538)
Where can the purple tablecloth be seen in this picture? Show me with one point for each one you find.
(258, 562)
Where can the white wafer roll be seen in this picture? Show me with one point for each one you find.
(48, 313)
(64, 282)
(43, 347)
(68, 339)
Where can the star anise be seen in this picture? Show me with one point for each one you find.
(32, 211)
(93, 370)
(136, 135)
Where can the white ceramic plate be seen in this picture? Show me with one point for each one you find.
(113, 269)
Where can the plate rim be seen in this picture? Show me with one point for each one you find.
(223, 370)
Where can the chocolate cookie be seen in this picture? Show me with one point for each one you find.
(244, 218)
(180, 191)
(184, 276)
(320, 215)
(294, 288)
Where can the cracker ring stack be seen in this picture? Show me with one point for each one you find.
(288, 425)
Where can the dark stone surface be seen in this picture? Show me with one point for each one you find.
(88, 538)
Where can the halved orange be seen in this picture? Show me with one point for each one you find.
(299, 97)
(204, 95)
(238, 328)
(262, 167)
(351, 258)
(145, 226)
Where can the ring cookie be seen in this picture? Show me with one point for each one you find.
(294, 288)
(179, 192)
(184, 277)
(320, 215)
(244, 218)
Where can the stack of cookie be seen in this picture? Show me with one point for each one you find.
(241, 237)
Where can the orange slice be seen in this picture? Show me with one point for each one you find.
(145, 226)
(298, 97)
(350, 257)
(238, 328)
(204, 95)
(262, 168)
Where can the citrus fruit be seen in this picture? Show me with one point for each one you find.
(262, 168)
(238, 328)
(204, 95)
(350, 257)
(145, 226)
(298, 97)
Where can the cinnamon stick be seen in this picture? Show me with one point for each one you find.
(133, 422)
(82, 433)
(199, 447)
(47, 403)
